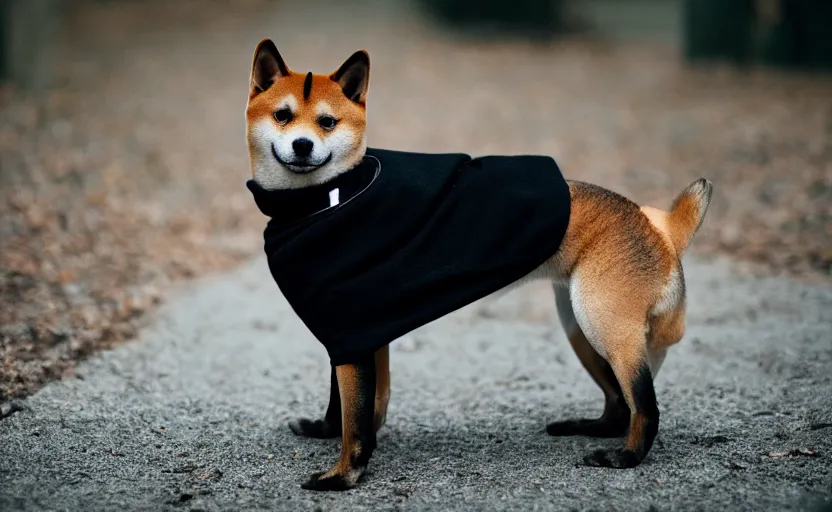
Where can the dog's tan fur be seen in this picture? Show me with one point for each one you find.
(618, 275)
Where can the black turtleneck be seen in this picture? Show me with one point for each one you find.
(291, 205)
(414, 237)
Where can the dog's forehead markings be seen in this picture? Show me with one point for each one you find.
(307, 86)
(323, 108)
(289, 101)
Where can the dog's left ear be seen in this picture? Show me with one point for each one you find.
(354, 76)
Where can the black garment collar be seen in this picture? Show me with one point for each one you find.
(291, 205)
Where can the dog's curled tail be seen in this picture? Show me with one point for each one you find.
(688, 211)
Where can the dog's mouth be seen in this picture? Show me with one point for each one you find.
(300, 166)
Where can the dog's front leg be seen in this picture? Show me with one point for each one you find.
(357, 386)
(328, 427)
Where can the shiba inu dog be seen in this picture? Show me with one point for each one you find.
(615, 266)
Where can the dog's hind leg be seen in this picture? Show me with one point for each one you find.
(634, 373)
(328, 427)
(357, 386)
(614, 320)
(613, 422)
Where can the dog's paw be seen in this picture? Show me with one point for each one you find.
(333, 481)
(567, 428)
(589, 428)
(318, 429)
(619, 459)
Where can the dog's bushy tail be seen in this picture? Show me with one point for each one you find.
(688, 211)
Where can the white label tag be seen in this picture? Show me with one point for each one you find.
(333, 197)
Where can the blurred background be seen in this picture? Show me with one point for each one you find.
(123, 159)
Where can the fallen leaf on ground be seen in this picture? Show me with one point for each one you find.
(792, 453)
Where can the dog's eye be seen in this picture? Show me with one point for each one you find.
(283, 116)
(327, 122)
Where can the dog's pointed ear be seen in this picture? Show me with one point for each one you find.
(267, 67)
(354, 76)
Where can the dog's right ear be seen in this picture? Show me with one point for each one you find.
(267, 67)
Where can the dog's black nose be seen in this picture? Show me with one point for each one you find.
(302, 147)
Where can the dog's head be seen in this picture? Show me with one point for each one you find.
(304, 129)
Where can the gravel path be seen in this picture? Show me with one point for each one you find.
(193, 414)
